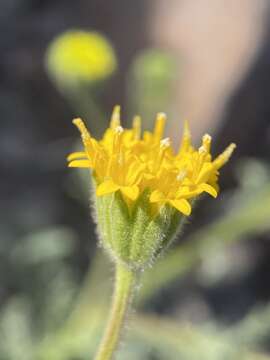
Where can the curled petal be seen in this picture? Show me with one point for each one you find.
(80, 164)
(182, 205)
(209, 189)
(76, 156)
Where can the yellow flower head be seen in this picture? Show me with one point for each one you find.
(78, 55)
(130, 163)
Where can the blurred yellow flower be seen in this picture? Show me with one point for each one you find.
(78, 55)
(125, 161)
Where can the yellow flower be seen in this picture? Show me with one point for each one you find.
(78, 55)
(130, 163)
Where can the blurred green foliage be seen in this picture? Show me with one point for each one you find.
(78, 57)
(150, 83)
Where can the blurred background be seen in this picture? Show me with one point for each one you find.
(205, 61)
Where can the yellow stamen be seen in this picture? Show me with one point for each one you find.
(81, 127)
(181, 175)
(224, 157)
(206, 141)
(137, 127)
(86, 137)
(202, 150)
(165, 143)
(115, 118)
(186, 138)
(159, 126)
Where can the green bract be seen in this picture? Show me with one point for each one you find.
(133, 235)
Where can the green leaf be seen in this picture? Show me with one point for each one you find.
(49, 244)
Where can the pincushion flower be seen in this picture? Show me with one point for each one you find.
(143, 190)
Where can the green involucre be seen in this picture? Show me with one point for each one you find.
(133, 235)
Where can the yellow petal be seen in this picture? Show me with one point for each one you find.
(148, 176)
(107, 187)
(77, 155)
(80, 164)
(181, 205)
(209, 189)
(131, 192)
(157, 196)
(205, 172)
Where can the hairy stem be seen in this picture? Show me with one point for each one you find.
(124, 285)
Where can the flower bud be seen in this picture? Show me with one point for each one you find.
(78, 57)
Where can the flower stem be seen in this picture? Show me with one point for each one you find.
(124, 285)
